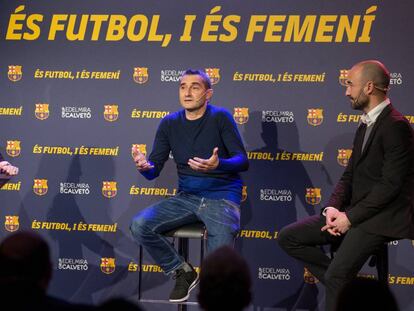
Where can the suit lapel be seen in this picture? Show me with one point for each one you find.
(377, 123)
(359, 138)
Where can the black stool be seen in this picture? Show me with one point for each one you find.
(182, 234)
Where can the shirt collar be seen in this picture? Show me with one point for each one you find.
(370, 117)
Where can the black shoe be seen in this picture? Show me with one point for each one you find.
(185, 282)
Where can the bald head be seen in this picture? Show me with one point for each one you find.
(375, 71)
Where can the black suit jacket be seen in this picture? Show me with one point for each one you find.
(377, 188)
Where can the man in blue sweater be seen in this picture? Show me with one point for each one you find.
(6, 171)
(209, 154)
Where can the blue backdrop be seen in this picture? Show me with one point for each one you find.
(82, 81)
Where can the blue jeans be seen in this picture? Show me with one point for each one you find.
(221, 218)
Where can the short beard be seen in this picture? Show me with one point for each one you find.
(360, 103)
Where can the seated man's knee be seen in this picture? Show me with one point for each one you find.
(284, 237)
(139, 227)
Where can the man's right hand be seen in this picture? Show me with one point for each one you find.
(140, 161)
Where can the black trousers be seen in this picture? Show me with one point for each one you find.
(302, 240)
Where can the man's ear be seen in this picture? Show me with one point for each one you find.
(209, 94)
(370, 87)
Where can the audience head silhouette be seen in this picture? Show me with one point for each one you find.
(366, 294)
(25, 273)
(25, 259)
(225, 283)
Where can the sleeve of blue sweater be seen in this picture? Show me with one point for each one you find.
(237, 162)
(160, 151)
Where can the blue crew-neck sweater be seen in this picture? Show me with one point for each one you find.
(197, 138)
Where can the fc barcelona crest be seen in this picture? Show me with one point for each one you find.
(244, 194)
(141, 148)
(13, 148)
(109, 189)
(241, 115)
(315, 116)
(111, 113)
(343, 77)
(313, 196)
(42, 111)
(15, 73)
(213, 74)
(12, 223)
(107, 265)
(309, 278)
(40, 186)
(343, 156)
(140, 75)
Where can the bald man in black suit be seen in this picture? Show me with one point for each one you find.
(373, 202)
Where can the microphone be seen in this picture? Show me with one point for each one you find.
(355, 101)
(382, 89)
(205, 92)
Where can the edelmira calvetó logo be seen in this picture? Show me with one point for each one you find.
(271, 273)
(76, 112)
(73, 264)
(74, 188)
(171, 75)
(281, 195)
(396, 78)
(278, 116)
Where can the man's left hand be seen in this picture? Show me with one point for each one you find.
(205, 165)
(331, 214)
(341, 223)
(8, 169)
